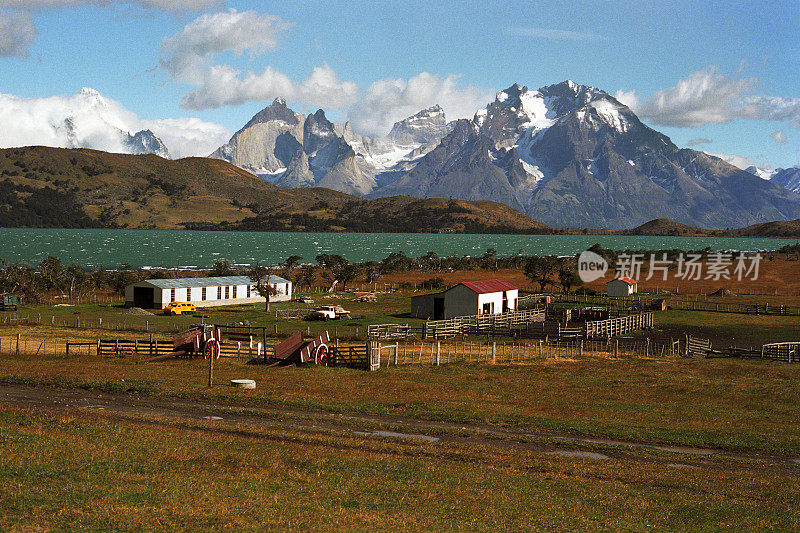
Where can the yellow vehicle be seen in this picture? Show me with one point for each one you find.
(180, 308)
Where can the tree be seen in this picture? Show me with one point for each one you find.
(52, 272)
(489, 259)
(307, 276)
(568, 278)
(539, 269)
(347, 273)
(260, 275)
(291, 262)
(223, 267)
(76, 280)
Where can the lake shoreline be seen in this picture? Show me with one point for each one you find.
(197, 250)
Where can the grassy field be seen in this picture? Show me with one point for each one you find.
(726, 329)
(733, 404)
(68, 468)
(73, 471)
(389, 308)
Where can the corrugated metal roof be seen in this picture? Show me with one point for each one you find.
(629, 281)
(489, 285)
(182, 283)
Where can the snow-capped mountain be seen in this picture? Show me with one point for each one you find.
(84, 120)
(788, 178)
(146, 142)
(292, 150)
(763, 173)
(572, 155)
(565, 154)
(427, 126)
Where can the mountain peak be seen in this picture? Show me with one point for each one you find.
(421, 128)
(278, 111)
(88, 91)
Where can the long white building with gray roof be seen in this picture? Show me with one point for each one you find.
(202, 292)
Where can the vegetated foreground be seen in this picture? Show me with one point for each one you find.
(78, 465)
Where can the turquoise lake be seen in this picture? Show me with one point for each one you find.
(198, 249)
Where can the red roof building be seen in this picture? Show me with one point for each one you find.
(624, 286)
(489, 285)
(489, 296)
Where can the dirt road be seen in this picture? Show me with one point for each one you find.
(257, 422)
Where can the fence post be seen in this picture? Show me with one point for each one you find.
(581, 352)
(616, 348)
(438, 351)
(494, 352)
(18, 336)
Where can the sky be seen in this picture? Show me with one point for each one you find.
(715, 76)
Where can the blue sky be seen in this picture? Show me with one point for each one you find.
(717, 76)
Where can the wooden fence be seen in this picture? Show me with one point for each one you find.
(642, 301)
(612, 327)
(697, 346)
(783, 351)
(502, 323)
(441, 352)
(388, 331)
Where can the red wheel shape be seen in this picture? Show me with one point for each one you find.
(212, 349)
(321, 355)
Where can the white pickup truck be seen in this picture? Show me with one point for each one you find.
(329, 312)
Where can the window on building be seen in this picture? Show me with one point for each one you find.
(488, 308)
(227, 292)
(172, 295)
(203, 294)
(219, 293)
(188, 294)
(235, 287)
(249, 290)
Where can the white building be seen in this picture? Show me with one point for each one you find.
(202, 292)
(489, 296)
(622, 287)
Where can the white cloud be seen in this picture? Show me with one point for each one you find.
(17, 30)
(696, 142)
(386, 101)
(221, 85)
(628, 98)
(90, 120)
(17, 33)
(551, 34)
(187, 137)
(737, 160)
(779, 137)
(170, 6)
(188, 53)
(707, 97)
(188, 57)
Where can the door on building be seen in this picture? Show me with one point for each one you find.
(143, 297)
(438, 308)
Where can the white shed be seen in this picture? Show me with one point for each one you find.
(622, 287)
(202, 292)
(489, 296)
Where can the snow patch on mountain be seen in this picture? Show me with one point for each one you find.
(90, 120)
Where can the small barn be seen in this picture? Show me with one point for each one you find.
(202, 292)
(489, 296)
(624, 286)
